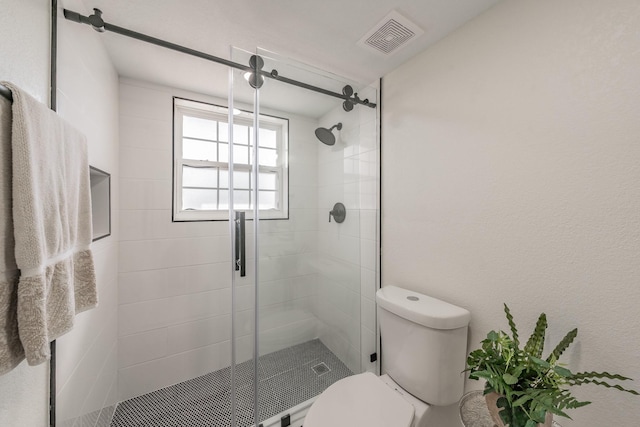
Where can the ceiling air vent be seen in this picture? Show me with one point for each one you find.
(390, 34)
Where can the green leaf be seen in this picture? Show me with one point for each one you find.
(563, 372)
(481, 374)
(518, 371)
(509, 379)
(540, 362)
(512, 326)
(590, 378)
(563, 344)
(539, 415)
(522, 400)
(582, 375)
(535, 344)
(492, 336)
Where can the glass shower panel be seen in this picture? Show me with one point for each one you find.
(243, 113)
(301, 321)
(309, 301)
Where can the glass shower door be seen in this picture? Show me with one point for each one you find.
(309, 299)
(298, 324)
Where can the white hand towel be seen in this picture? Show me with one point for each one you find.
(51, 224)
(11, 351)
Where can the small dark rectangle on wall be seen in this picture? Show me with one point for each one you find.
(100, 203)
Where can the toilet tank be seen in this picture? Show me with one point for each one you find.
(424, 344)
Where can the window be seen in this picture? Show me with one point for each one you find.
(201, 163)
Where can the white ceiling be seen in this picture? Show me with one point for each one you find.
(323, 34)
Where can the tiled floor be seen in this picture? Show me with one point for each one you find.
(100, 418)
(285, 378)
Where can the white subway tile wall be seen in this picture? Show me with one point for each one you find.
(87, 356)
(175, 281)
(348, 172)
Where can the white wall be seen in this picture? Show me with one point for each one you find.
(288, 248)
(175, 282)
(510, 174)
(25, 48)
(348, 172)
(175, 297)
(368, 159)
(24, 60)
(87, 356)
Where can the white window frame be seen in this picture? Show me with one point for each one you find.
(220, 114)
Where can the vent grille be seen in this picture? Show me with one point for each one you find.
(391, 33)
(390, 36)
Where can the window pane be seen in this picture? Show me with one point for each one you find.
(202, 152)
(223, 201)
(267, 138)
(241, 199)
(223, 152)
(268, 157)
(267, 200)
(195, 127)
(241, 154)
(223, 132)
(241, 180)
(199, 150)
(199, 177)
(268, 181)
(224, 179)
(240, 134)
(196, 199)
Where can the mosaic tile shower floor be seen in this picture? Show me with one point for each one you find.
(285, 378)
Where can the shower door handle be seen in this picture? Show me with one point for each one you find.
(241, 247)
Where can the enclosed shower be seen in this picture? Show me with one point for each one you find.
(252, 235)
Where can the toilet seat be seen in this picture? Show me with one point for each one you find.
(360, 400)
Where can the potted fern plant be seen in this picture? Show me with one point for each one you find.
(522, 388)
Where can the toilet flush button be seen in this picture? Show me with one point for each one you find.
(412, 298)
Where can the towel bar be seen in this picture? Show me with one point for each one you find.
(4, 91)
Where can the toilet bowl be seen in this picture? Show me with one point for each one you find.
(423, 355)
(366, 400)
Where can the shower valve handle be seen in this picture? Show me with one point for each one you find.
(339, 213)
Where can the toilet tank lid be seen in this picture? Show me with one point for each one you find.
(422, 309)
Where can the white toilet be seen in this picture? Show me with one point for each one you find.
(424, 346)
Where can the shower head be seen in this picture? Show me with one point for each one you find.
(326, 136)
